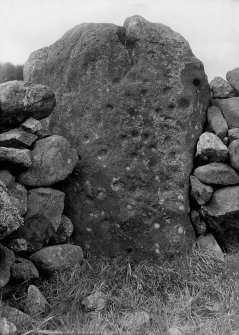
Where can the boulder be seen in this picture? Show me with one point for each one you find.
(17, 138)
(31, 125)
(233, 150)
(36, 303)
(133, 101)
(198, 223)
(20, 100)
(200, 192)
(23, 269)
(211, 149)
(6, 177)
(222, 211)
(10, 219)
(233, 134)
(230, 110)
(57, 257)
(43, 216)
(53, 160)
(233, 79)
(220, 88)
(216, 122)
(19, 157)
(19, 197)
(64, 231)
(216, 174)
(6, 260)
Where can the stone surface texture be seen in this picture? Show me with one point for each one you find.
(36, 303)
(19, 197)
(64, 231)
(133, 101)
(57, 257)
(20, 100)
(19, 157)
(233, 150)
(220, 88)
(233, 78)
(31, 125)
(211, 149)
(6, 260)
(17, 138)
(53, 159)
(233, 134)
(198, 223)
(200, 192)
(216, 122)
(23, 269)
(230, 110)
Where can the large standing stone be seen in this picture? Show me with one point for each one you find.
(57, 257)
(216, 174)
(230, 110)
(233, 78)
(216, 122)
(43, 216)
(19, 100)
(222, 211)
(53, 160)
(234, 154)
(10, 219)
(220, 88)
(211, 149)
(133, 100)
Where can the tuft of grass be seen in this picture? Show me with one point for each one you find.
(198, 294)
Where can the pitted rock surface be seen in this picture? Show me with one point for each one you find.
(133, 101)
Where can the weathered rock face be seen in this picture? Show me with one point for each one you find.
(133, 101)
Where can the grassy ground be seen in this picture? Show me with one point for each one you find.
(199, 295)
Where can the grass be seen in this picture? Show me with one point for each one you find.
(198, 294)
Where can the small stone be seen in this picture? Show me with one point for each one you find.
(36, 303)
(14, 315)
(6, 177)
(32, 125)
(134, 320)
(233, 79)
(94, 302)
(211, 149)
(17, 138)
(64, 231)
(20, 157)
(208, 243)
(233, 134)
(23, 269)
(220, 88)
(57, 257)
(216, 174)
(6, 327)
(174, 331)
(44, 133)
(200, 192)
(229, 108)
(7, 258)
(20, 245)
(225, 140)
(19, 197)
(198, 223)
(234, 154)
(216, 122)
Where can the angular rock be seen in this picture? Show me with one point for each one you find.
(198, 223)
(6, 327)
(19, 157)
(94, 302)
(20, 245)
(200, 192)
(20, 100)
(23, 269)
(53, 160)
(36, 303)
(31, 125)
(230, 110)
(233, 78)
(233, 134)
(57, 257)
(17, 138)
(10, 219)
(211, 149)
(222, 211)
(14, 315)
(134, 108)
(216, 122)
(233, 150)
(44, 133)
(208, 243)
(216, 174)
(19, 197)
(6, 177)
(220, 88)
(6, 260)
(43, 217)
(64, 231)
